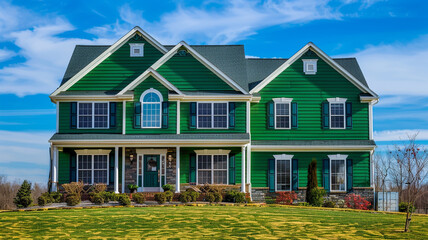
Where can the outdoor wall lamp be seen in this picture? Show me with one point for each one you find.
(131, 157)
(169, 160)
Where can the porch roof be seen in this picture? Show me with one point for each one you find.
(199, 136)
(317, 142)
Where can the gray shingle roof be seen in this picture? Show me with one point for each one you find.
(230, 59)
(99, 136)
(317, 143)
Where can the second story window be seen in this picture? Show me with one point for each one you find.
(282, 113)
(212, 115)
(337, 113)
(93, 115)
(151, 113)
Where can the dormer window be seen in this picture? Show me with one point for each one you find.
(310, 66)
(137, 49)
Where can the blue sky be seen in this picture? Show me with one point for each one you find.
(389, 38)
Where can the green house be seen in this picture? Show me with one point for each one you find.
(139, 112)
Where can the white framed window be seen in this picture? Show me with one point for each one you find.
(282, 113)
(136, 49)
(212, 115)
(283, 172)
(337, 113)
(310, 66)
(212, 166)
(93, 115)
(337, 172)
(92, 169)
(151, 109)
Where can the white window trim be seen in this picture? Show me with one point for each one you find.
(282, 101)
(306, 62)
(93, 116)
(337, 157)
(337, 100)
(92, 166)
(212, 115)
(151, 90)
(136, 46)
(279, 158)
(212, 165)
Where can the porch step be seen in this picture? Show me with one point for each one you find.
(150, 189)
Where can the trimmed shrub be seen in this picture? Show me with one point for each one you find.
(168, 187)
(357, 202)
(185, 197)
(317, 195)
(341, 203)
(123, 199)
(209, 197)
(56, 197)
(304, 204)
(234, 196)
(286, 198)
(329, 204)
(73, 199)
(217, 197)
(109, 196)
(160, 198)
(402, 207)
(97, 198)
(194, 196)
(138, 198)
(23, 197)
(312, 182)
(169, 196)
(43, 200)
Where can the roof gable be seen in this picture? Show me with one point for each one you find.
(136, 31)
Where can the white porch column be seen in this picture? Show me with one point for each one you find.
(124, 117)
(178, 116)
(54, 186)
(123, 169)
(249, 164)
(177, 171)
(243, 170)
(116, 169)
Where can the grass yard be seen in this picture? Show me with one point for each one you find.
(223, 222)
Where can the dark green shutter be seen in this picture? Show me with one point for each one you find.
(294, 115)
(270, 115)
(349, 174)
(113, 114)
(326, 174)
(137, 115)
(232, 169)
(73, 164)
(73, 114)
(165, 106)
(271, 175)
(192, 120)
(231, 115)
(111, 168)
(295, 174)
(192, 168)
(325, 115)
(348, 115)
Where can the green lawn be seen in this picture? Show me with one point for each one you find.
(209, 222)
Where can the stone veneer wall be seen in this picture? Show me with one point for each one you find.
(259, 194)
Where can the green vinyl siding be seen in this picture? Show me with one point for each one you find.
(65, 120)
(185, 162)
(309, 91)
(119, 69)
(240, 120)
(259, 166)
(151, 82)
(64, 158)
(188, 74)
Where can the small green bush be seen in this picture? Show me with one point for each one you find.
(185, 197)
(234, 196)
(139, 198)
(132, 187)
(73, 200)
(329, 204)
(304, 204)
(218, 197)
(123, 199)
(23, 197)
(42, 200)
(317, 196)
(169, 196)
(402, 207)
(109, 196)
(270, 200)
(56, 197)
(209, 197)
(160, 198)
(168, 187)
(194, 196)
(97, 198)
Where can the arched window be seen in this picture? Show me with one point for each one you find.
(151, 111)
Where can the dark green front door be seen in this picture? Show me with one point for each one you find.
(151, 170)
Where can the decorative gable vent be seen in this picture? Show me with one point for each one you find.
(182, 52)
(137, 49)
(310, 66)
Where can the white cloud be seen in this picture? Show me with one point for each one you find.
(397, 69)
(400, 135)
(5, 54)
(24, 139)
(27, 112)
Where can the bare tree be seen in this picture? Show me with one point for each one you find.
(382, 167)
(412, 163)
